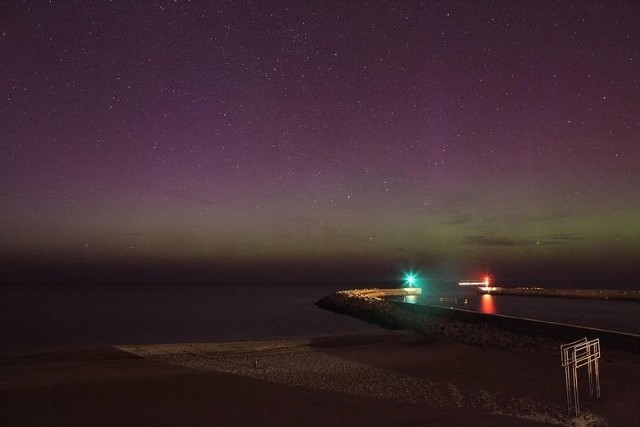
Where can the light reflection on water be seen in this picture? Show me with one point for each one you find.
(411, 298)
(487, 304)
(612, 315)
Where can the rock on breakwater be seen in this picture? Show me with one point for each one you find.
(466, 326)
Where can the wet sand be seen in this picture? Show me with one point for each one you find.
(382, 379)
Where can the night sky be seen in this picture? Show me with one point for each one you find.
(454, 137)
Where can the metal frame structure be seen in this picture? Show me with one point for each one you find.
(576, 355)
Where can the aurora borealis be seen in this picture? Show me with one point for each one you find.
(445, 136)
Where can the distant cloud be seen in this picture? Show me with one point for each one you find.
(562, 237)
(522, 218)
(498, 241)
(549, 239)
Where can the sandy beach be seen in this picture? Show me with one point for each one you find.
(382, 379)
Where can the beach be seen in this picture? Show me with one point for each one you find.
(373, 379)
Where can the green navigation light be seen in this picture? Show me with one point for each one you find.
(411, 279)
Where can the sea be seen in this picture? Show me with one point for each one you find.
(43, 317)
(40, 317)
(618, 316)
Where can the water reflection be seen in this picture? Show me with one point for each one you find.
(487, 304)
(411, 298)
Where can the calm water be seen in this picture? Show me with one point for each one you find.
(38, 317)
(622, 316)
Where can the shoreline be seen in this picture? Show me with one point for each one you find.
(385, 378)
(377, 378)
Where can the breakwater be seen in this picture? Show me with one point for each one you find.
(600, 294)
(465, 326)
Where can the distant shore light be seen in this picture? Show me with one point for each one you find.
(485, 282)
(470, 283)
